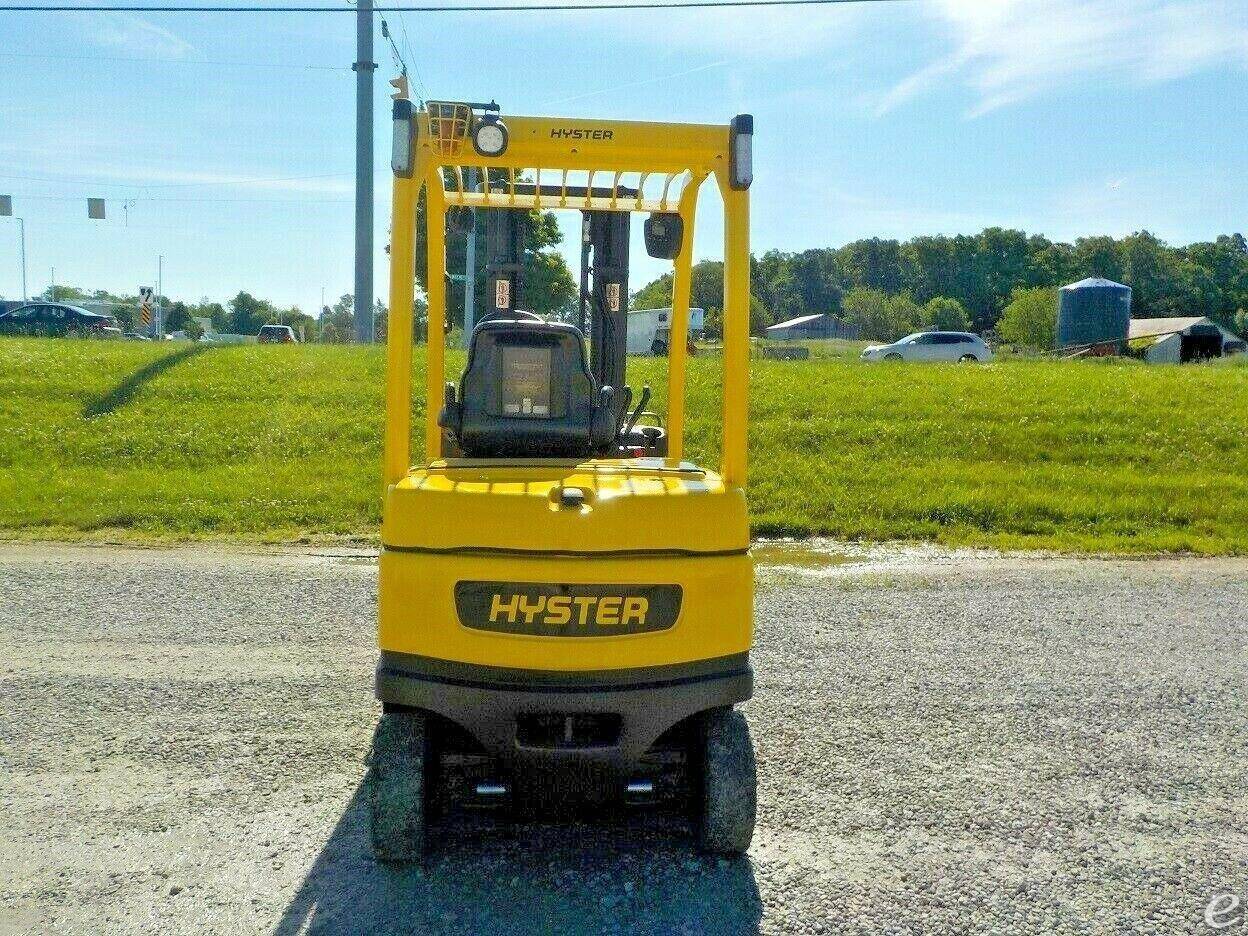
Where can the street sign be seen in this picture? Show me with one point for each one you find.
(6, 206)
(95, 208)
(145, 305)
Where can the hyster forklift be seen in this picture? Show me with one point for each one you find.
(565, 602)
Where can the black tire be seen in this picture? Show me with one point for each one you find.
(396, 787)
(892, 356)
(658, 347)
(729, 788)
(968, 359)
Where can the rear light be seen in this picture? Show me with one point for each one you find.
(636, 452)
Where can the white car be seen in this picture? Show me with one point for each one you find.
(931, 346)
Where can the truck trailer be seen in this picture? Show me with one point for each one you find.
(649, 330)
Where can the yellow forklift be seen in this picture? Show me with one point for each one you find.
(566, 603)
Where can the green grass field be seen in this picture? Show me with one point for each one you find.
(140, 442)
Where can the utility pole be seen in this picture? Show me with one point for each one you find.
(6, 210)
(470, 265)
(160, 277)
(21, 227)
(364, 67)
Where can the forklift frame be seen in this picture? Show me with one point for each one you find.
(681, 155)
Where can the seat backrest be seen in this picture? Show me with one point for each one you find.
(527, 392)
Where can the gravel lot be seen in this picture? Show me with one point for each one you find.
(947, 742)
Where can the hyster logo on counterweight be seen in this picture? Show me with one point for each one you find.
(567, 610)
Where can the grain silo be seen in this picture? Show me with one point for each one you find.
(1093, 311)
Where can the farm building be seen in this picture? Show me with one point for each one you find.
(820, 325)
(1178, 340)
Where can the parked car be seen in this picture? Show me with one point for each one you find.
(55, 320)
(277, 334)
(931, 346)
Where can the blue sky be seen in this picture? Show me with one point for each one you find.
(233, 135)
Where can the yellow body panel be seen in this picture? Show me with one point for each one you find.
(515, 507)
(418, 615)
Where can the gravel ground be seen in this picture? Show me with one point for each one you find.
(947, 743)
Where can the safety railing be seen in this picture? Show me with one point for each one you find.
(551, 189)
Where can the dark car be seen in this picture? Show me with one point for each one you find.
(277, 334)
(54, 320)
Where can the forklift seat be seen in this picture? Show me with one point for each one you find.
(528, 393)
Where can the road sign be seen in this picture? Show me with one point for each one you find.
(95, 208)
(145, 305)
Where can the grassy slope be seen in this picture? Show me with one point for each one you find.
(153, 442)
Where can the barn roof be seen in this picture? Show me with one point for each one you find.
(800, 320)
(1154, 327)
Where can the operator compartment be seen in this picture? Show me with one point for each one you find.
(541, 466)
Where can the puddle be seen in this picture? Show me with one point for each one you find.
(355, 557)
(803, 556)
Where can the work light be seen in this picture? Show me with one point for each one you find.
(490, 136)
(741, 151)
(404, 143)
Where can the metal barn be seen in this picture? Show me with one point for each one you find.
(1179, 340)
(821, 325)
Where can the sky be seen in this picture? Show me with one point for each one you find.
(225, 143)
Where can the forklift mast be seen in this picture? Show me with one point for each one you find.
(505, 234)
(603, 306)
(608, 295)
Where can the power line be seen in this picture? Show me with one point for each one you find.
(151, 185)
(234, 201)
(399, 62)
(407, 44)
(171, 61)
(476, 8)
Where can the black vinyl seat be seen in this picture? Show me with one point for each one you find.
(528, 393)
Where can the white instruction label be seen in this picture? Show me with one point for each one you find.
(613, 297)
(502, 294)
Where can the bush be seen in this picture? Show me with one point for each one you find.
(879, 316)
(1030, 319)
(946, 315)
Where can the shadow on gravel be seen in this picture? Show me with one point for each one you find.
(124, 392)
(637, 874)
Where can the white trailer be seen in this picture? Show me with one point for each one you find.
(649, 330)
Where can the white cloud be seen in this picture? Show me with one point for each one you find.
(1007, 51)
(134, 34)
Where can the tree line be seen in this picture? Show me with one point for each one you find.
(999, 280)
(890, 287)
(245, 314)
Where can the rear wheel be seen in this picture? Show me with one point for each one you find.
(729, 789)
(396, 783)
(892, 356)
(967, 359)
(658, 347)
